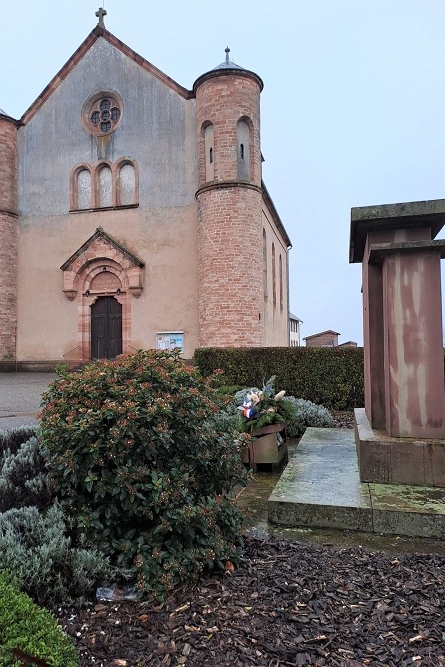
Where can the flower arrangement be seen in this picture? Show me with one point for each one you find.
(262, 407)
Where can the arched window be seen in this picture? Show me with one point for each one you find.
(127, 184)
(264, 263)
(105, 187)
(209, 153)
(243, 139)
(83, 189)
(274, 277)
(281, 281)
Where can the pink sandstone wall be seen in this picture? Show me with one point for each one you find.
(230, 293)
(8, 236)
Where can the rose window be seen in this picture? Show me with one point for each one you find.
(102, 113)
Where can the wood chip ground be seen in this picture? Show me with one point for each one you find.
(288, 604)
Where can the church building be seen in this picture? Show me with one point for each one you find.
(133, 214)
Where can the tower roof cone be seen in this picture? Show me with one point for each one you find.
(226, 67)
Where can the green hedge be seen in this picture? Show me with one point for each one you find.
(332, 377)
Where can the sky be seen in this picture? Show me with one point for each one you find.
(352, 111)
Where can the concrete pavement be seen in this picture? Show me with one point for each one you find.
(20, 397)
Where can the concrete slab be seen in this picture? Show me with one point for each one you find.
(321, 488)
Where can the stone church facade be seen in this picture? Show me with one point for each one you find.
(133, 214)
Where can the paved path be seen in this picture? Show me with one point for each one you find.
(20, 397)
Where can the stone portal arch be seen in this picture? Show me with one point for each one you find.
(101, 268)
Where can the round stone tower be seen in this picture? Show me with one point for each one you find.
(229, 198)
(8, 237)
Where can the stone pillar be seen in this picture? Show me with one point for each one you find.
(403, 347)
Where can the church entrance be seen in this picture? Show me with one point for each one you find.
(106, 328)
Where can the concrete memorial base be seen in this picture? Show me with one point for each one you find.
(321, 488)
(386, 460)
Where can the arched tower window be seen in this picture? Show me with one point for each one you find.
(243, 140)
(105, 186)
(280, 269)
(209, 153)
(274, 277)
(264, 263)
(82, 187)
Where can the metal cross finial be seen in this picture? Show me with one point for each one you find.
(100, 15)
(227, 50)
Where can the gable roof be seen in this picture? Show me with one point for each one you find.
(94, 35)
(102, 234)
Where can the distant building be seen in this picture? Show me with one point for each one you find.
(324, 339)
(294, 330)
(327, 339)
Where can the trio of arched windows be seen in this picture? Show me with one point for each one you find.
(243, 136)
(104, 185)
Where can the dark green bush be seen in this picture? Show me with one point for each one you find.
(137, 459)
(332, 377)
(48, 566)
(26, 626)
(23, 474)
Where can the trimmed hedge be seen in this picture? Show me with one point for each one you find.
(332, 377)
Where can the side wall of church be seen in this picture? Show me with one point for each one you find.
(157, 133)
(8, 238)
(275, 283)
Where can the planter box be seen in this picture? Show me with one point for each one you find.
(267, 448)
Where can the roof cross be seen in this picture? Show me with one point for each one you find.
(100, 15)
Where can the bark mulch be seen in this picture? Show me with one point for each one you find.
(288, 604)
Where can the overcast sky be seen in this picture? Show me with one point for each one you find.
(353, 107)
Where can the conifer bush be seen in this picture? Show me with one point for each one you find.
(12, 439)
(138, 461)
(306, 414)
(23, 473)
(36, 546)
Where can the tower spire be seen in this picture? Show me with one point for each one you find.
(227, 50)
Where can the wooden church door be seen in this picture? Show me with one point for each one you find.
(106, 328)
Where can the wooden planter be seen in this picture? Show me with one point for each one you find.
(267, 448)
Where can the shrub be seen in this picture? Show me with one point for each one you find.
(23, 473)
(306, 414)
(11, 440)
(35, 546)
(137, 459)
(25, 626)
